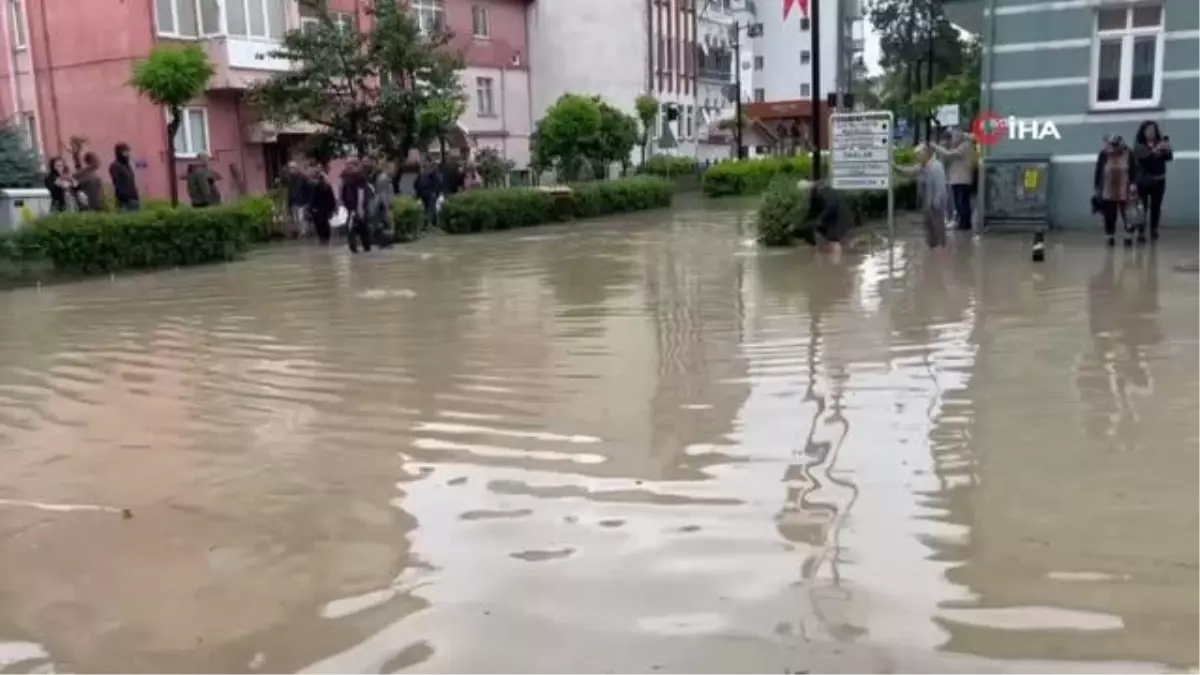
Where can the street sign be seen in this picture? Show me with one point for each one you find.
(862, 153)
(947, 115)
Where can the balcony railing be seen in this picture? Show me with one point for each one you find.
(723, 76)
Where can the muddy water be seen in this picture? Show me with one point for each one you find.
(625, 446)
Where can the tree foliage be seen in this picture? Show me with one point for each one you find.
(579, 132)
(173, 76)
(388, 89)
(646, 107)
(493, 168)
(18, 162)
(617, 139)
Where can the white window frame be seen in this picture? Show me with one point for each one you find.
(429, 8)
(185, 130)
(485, 88)
(201, 34)
(805, 90)
(29, 128)
(18, 29)
(1127, 36)
(481, 11)
(343, 20)
(266, 17)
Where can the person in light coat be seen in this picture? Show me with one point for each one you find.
(931, 185)
(960, 165)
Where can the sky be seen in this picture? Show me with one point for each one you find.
(871, 47)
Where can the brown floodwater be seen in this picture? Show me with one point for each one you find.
(625, 445)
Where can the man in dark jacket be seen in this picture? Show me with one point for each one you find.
(827, 216)
(428, 187)
(356, 197)
(299, 195)
(322, 206)
(124, 182)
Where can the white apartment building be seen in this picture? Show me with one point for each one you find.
(782, 61)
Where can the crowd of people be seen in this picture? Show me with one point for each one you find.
(1128, 185)
(363, 200)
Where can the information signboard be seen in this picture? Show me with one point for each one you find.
(862, 153)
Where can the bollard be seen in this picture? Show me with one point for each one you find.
(1039, 246)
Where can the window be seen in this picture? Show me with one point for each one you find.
(342, 20)
(805, 57)
(484, 97)
(195, 18)
(255, 18)
(760, 95)
(16, 28)
(759, 62)
(192, 137)
(430, 15)
(1127, 57)
(804, 25)
(805, 91)
(481, 24)
(29, 128)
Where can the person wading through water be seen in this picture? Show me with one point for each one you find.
(322, 205)
(91, 186)
(827, 217)
(356, 197)
(124, 181)
(202, 184)
(1151, 151)
(1115, 181)
(428, 187)
(959, 160)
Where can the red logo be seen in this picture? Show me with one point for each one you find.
(989, 128)
(788, 4)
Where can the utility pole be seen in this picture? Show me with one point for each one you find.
(815, 6)
(737, 86)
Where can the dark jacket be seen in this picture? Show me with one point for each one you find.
(1151, 166)
(826, 214)
(121, 172)
(323, 203)
(428, 185)
(300, 189)
(452, 179)
(58, 195)
(202, 187)
(91, 187)
(354, 192)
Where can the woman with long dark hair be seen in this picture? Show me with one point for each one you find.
(1151, 151)
(61, 185)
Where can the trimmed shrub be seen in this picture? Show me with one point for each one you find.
(752, 176)
(408, 217)
(100, 242)
(783, 207)
(668, 166)
(503, 209)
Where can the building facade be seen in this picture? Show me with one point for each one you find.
(1093, 68)
(66, 67)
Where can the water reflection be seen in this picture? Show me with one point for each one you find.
(562, 450)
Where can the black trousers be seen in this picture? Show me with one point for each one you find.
(431, 212)
(358, 231)
(1112, 210)
(962, 205)
(1151, 194)
(321, 224)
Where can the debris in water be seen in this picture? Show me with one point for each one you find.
(126, 514)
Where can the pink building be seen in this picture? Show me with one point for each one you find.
(66, 65)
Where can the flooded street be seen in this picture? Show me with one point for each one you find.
(624, 445)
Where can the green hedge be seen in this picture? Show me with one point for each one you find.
(667, 166)
(408, 218)
(101, 242)
(784, 205)
(503, 209)
(752, 176)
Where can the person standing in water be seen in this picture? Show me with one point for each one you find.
(356, 197)
(91, 187)
(1151, 151)
(931, 185)
(322, 205)
(124, 181)
(1114, 182)
(960, 168)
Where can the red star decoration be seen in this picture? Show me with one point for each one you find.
(788, 4)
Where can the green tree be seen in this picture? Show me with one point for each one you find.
(173, 76)
(493, 168)
(366, 90)
(567, 134)
(439, 116)
(18, 162)
(617, 137)
(647, 112)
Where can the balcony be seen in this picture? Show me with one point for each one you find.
(966, 14)
(241, 62)
(723, 76)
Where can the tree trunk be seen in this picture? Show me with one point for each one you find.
(172, 176)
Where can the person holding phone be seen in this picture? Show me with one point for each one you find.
(1151, 151)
